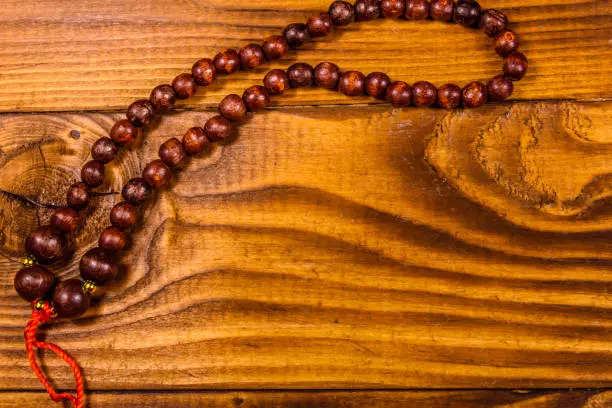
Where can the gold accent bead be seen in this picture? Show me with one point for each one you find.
(39, 304)
(28, 261)
(90, 287)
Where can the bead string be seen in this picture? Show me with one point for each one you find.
(49, 243)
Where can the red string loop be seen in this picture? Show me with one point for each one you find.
(40, 316)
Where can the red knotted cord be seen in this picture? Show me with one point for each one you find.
(40, 316)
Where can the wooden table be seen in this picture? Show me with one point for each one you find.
(337, 252)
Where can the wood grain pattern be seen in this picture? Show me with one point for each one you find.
(60, 55)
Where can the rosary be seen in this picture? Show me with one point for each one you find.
(49, 243)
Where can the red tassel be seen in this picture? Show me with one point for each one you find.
(40, 316)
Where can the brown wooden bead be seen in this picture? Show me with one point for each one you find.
(65, 219)
(69, 299)
(341, 13)
(124, 215)
(506, 42)
(47, 244)
(141, 112)
(467, 13)
(376, 85)
(172, 152)
(300, 74)
(163, 97)
(104, 150)
(232, 107)
(399, 93)
(499, 88)
(416, 10)
(392, 8)
(227, 61)
(204, 71)
(442, 10)
(366, 10)
(78, 196)
(352, 83)
(218, 128)
(99, 265)
(92, 173)
(424, 93)
(327, 75)
(251, 56)
(195, 141)
(275, 46)
(296, 34)
(136, 190)
(113, 239)
(255, 97)
(276, 82)
(515, 66)
(157, 173)
(493, 22)
(474, 95)
(449, 96)
(34, 282)
(184, 86)
(124, 132)
(319, 25)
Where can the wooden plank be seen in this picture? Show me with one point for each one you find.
(58, 55)
(331, 399)
(351, 247)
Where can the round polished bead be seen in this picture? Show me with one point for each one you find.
(34, 282)
(124, 215)
(327, 75)
(474, 95)
(172, 152)
(351, 83)
(300, 74)
(78, 196)
(157, 173)
(255, 97)
(392, 8)
(424, 93)
(204, 71)
(341, 13)
(251, 56)
(276, 82)
(113, 239)
(227, 61)
(467, 13)
(376, 85)
(275, 46)
(499, 88)
(506, 42)
(124, 132)
(184, 86)
(104, 150)
(232, 107)
(366, 10)
(163, 97)
(141, 112)
(47, 244)
(195, 141)
(65, 219)
(92, 173)
(319, 25)
(296, 34)
(449, 96)
(136, 190)
(69, 299)
(416, 10)
(399, 93)
(515, 66)
(442, 10)
(218, 128)
(493, 22)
